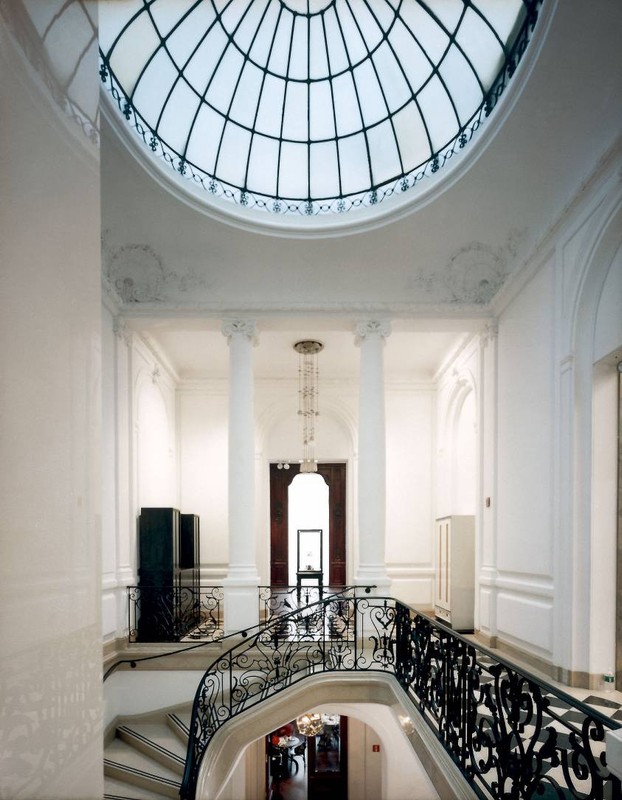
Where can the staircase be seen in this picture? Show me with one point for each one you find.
(145, 758)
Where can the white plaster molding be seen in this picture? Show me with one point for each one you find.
(240, 327)
(372, 327)
(155, 351)
(122, 331)
(490, 332)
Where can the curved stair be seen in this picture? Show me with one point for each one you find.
(145, 758)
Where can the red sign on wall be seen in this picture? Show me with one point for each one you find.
(375, 748)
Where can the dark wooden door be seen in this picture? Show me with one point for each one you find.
(280, 479)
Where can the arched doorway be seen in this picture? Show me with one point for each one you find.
(280, 480)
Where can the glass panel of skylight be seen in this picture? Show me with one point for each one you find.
(427, 32)
(481, 47)
(367, 22)
(383, 152)
(167, 15)
(321, 111)
(187, 37)
(411, 134)
(271, 106)
(337, 55)
(449, 12)
(260, 48)
(461, 84)
(231, 164)
(439, 113)
(203, 144)
(279, 57)
(353, 43)
(204, 62)
(298, 64)
(502, 16)
(353, 157)
(385, 12)
(295, 125)
(262, 165)
(395, 87)
(220, 92)
(318, 62)
(373, 104)
(246, 30)
(415, 66)
(246, 96)
(233, 12)
(127, 62)
(154, 86)
(293, 171)
(324, 170)
(113, 16)
(346, 105)
(177, 117)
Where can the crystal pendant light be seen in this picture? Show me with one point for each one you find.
(308, 399)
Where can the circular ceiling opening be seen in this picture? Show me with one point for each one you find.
(310, 108)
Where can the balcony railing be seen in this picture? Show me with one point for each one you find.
(512, 735)
(175, 613)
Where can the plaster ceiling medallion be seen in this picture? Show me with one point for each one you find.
(311, 110)
(135, 274)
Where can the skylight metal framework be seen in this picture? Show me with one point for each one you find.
(309, 106)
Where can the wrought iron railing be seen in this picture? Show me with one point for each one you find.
(275, 601)
(512, 735)
(175, 613)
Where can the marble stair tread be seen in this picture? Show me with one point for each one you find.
(119, 790)
(125, 763)
(157, 740)
(178, 722)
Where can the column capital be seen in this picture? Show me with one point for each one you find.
(490, 332)
(122, 331)
(372, 327)
(240, 327)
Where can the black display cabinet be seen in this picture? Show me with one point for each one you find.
(169, 591)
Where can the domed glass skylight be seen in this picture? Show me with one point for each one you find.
(309, 106)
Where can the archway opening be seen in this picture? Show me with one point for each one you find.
(308, 524)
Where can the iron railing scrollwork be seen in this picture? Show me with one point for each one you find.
(512, 735)
(174, 613)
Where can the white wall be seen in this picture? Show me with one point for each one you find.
(203, 459)
(50, 567)
(525, 467)
(410, 470)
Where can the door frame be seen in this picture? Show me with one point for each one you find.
(335, 475)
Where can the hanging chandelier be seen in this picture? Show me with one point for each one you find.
(308, 399)
(309, 724)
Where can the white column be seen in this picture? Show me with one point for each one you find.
(372, 569)
(240, 586)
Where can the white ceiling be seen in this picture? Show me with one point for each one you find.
(196, 349)
(427, 271)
